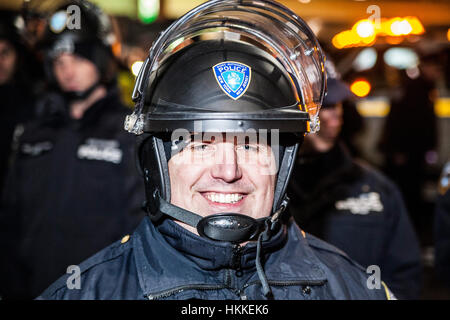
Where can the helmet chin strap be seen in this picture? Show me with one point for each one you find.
(229, 227)
(80, 95)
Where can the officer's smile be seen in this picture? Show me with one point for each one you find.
(232, 199)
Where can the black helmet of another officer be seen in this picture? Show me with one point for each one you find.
(226, 66)
(80, 28)
(12, 28)
(13, 31)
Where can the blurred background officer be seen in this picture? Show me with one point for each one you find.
(18, 74)
(442, 228)
(73, 187)
(350, 204)
(410, 135)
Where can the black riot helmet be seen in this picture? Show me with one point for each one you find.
(226, 66)
(12, 28)
(79, 27)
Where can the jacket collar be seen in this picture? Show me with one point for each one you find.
(106, 104)
(168, 256)
(54, 109)
(315, 173)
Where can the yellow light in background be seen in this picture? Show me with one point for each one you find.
(385, 27)
(400, 27)
(378, 107)
(136, 67)
(364, 28)
(346, 38)
(442, 107)
(416, 25)
(360, 87)
(364, 32)
(448, 34)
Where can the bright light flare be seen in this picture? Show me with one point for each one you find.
(136, 67)
(360, 87)
(365, 28)
(401, 27)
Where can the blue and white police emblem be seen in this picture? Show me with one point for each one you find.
(233, 78)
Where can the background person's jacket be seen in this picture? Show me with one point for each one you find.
(442, 237)
(167, 262)
(73, 189)
(357, 209)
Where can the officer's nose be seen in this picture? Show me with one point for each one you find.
(68, 71)
(226, 166)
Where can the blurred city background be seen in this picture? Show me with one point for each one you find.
(378, 47)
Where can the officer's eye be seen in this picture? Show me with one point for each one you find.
(248, 147)
(201, 147)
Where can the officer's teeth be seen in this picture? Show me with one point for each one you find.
(224, 198)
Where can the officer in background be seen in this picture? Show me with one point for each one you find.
(405, 148)
(350, 204)
(73, 188)
(219, 118)
(20, 77)
(442, 228)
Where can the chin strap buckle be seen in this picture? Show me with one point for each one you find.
(280, 210)
(134, 123)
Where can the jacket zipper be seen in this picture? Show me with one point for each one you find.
(236, 260)
(176, 290)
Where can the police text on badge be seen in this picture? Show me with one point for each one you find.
(233, 78)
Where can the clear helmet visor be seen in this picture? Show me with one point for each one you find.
(266, 25)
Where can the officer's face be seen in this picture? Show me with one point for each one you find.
(7, 61)
(330, 126)
(74, 73)
(222, 175)
(331, 122)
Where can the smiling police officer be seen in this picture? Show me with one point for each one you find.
(73, 188)
(221, 109)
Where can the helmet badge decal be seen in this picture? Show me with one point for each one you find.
(233, 78)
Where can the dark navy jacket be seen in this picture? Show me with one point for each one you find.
(357, 209)
(73, 189)
(442, 228)
(168, 262)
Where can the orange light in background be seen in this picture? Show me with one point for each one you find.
(360, 87)
(394, 40)
(416, 25)
(345, 38)
(364, 32)
(448, 34)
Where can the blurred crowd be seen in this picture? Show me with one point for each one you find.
(70, 186)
